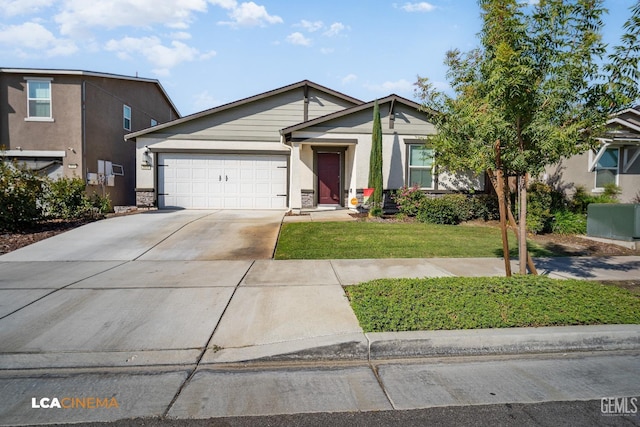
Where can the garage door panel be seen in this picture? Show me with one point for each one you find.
(217, 181)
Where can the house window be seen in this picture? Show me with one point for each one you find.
(606, 169)
(420, 166)
(126, 114)
(153, 122)
(39, 99)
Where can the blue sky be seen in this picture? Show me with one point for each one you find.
(210, 52)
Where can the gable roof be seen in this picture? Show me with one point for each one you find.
(625, 127)
(393, 98)
(244, 101)
(62, 72)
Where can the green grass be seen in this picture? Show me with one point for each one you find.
(387, 305)
(342, 240)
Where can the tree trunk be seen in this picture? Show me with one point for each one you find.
(522, 238)
(514, 227)
(498, 184)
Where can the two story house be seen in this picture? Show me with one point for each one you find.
(72, 123)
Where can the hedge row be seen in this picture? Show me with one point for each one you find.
(26, 198)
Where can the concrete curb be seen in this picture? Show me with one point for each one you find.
(473, 342)
(385, 345)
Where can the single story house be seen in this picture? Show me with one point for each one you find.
(615, 161)
(298, 147)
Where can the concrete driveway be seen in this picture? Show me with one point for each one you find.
(163, 235)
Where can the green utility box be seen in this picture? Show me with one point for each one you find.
(614, 221)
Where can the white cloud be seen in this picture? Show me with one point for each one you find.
(249, 14)
(180, 35)
(79, 16)
(298, 39)
(326, 50)
(204, 100)
(310, 26)
(225, 4)
(349, 78)
(23, 7)
(335, 29)
(401, 85)
(35, 37)
(422, 6)
(162, 57)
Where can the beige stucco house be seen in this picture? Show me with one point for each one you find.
(72, 123)
(615, 161)
(300, 146)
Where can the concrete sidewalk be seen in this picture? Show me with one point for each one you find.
(225, 338)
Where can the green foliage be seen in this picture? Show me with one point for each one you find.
(375, 211)
(26, 198)
(539, 201)
(375, 160)
(448, 209)
(349, 240)
(409, 199)
(65, 198)
(581, 199)
(389, 305)
(19, 196)
(567, 222)
(485, 206)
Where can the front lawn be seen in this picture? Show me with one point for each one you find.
(388, 305)
(341, 240)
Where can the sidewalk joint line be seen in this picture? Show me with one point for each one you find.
(172, 233)
(206, 346)
(64, 287)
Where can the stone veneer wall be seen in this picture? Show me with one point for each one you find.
(307, 199)
(145, 197)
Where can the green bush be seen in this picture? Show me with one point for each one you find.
(65, 198)
(539, 202)
(484, 206)
(20, 191)
(581, 199)
(567, 222)
(447, 209)
(409, 200)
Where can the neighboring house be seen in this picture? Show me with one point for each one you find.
(299, 146)
(72, 123)
(615, 161)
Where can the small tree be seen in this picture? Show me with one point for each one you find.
(375, 161)
(532, 94)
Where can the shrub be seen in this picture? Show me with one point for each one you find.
(65, 198)
(447, 209)
(20, 190)
(484, 206)
(539, 202)
(581, 199)
(567, 222)
(409, 200)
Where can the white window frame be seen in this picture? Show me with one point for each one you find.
(126, 116)
(29, 117)
(599, 155)
(409, 167)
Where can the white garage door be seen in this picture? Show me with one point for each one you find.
(222, 181)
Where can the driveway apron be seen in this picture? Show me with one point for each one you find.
(146, 289)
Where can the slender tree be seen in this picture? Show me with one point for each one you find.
(375, 160)
(532, 93)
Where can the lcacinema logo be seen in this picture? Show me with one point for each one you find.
(74, 403)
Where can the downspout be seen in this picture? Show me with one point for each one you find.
(290, 148)
(83, 131)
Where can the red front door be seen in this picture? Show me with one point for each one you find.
(329, 178)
